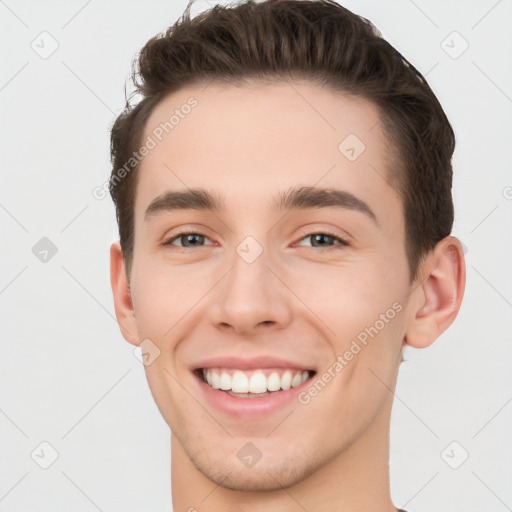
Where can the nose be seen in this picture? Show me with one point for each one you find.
(252, 297)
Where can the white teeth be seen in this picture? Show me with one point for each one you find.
(225, 381)
(239, 383)
(286, 380)
(274, 382)
(215, 380)
(258, 382)
(297, 379)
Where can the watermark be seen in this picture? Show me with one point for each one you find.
(44, 455)
(249, 249)
(454, 45)
(351, 147)
(146, 352)
(355, 348)
(44, 250)
(151, 142)
(455, 455)
(44, 44)
(249, 455)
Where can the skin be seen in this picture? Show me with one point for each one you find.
(296, 300)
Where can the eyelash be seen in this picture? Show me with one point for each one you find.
(342, 242)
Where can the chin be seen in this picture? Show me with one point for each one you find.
(263, 476)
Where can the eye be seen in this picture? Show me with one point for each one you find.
(192, 240)
(327, 240)
(188, 239)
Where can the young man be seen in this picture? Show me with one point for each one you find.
(283, 194)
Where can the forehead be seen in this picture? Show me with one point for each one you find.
(246, 142)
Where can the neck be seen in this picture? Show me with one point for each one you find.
(356, 479)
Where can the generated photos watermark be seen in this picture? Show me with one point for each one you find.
(357, 345)
(151, 142)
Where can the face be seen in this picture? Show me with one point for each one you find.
(287, 288)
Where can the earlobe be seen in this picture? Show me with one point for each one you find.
(122, 297)
(438, 294)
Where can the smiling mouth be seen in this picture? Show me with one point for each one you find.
(253, 383)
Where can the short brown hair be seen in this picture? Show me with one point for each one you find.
(317, 40)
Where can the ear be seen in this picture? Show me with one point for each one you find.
(122, 296)
(438, 293)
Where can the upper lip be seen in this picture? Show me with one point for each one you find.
(252, 363)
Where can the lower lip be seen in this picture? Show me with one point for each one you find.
(250, 407)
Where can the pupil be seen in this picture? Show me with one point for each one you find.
(192, 238)
(321, 238)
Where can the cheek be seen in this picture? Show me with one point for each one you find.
(368, 324)
(349, 298)
(163, 300)
(162, 296)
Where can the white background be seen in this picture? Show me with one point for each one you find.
(67, 376)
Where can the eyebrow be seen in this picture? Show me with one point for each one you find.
(295, 198)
